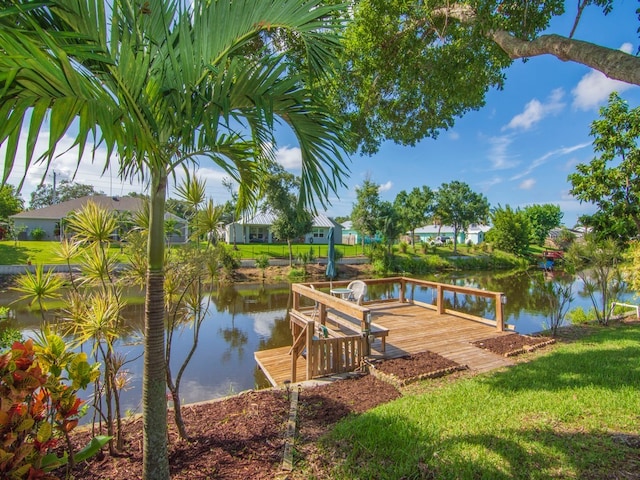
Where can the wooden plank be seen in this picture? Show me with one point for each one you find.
(413, 328)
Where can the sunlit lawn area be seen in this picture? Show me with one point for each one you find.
(12, 253)
(563, 415)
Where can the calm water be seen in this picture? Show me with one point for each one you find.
(245, 318)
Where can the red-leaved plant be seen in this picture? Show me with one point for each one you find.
(39, 407)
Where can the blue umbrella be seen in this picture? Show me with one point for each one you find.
(331, 253)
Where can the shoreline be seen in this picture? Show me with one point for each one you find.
(244, 274)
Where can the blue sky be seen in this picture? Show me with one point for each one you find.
(517, 150)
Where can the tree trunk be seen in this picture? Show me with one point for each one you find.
(455, 239)
(154, 381)
(290, 253)
(615, 64)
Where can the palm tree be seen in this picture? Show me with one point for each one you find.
(162, 84)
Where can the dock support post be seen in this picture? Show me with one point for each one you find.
(440, 301)
(310, 352)
(500, 301)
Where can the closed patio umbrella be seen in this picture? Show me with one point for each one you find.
(331, 262)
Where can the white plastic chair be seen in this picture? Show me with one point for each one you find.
(358, 291)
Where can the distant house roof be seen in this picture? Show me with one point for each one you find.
(61, 210)
(444, 229)
(268, 218)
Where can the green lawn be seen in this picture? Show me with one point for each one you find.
(44, 251)
(559, 416)
(12, 253)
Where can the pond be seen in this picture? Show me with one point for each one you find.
(244, 318)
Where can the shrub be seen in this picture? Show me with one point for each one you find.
(403, 246)
(296, 274)
(38, 233)
(38, 408)
(228, 258)
(262, 262)
(578, 316)
(8, 336)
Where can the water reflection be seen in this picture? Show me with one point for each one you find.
(249, 317)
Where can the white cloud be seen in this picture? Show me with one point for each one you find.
(594, 88)
(545, 158)
(627, 47)
(535, 111)
(527, 184)
(65, 165)
(289, 158)
(454, 135)
(498, 153)
(487, 184)
(385, 187)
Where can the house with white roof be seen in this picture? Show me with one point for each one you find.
(257, 229)
(475, 233)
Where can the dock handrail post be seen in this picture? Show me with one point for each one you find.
(500, 301)
(440, 301)
(310, 359)
(365, 334)
(296, 301)
(403, 285)
(322, 313)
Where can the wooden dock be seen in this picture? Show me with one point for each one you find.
(413, 328)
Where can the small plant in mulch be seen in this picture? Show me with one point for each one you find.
(513, 344)
(408, 369)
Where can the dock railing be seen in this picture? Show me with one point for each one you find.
(325, 356)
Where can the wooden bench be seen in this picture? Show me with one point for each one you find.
(353, 328)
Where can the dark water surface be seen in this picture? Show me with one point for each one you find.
(245, 318)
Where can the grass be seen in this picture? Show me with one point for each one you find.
(44, 252)
(12, 253)
(557, 416)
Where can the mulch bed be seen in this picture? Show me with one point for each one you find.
(411, 368)
(513, 344)
(243, 436)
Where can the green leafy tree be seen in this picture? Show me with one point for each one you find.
(390, 224)
(611, 180)
(411, 68)
(565, 238)
(364, 214)
(459, 207)
(511, 230)
(598, 264)
(177, 207)
(543, 219)
(10, 202)
(415, 208)
(161, 90)
(45, 195)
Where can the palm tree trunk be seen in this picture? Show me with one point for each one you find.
(154, 382)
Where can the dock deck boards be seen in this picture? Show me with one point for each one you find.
(412, 329)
